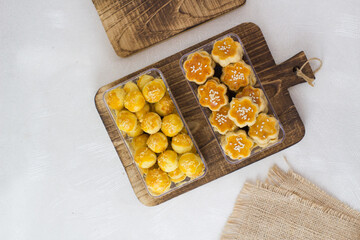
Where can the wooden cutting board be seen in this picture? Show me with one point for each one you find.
(276, 80)
(132, 25)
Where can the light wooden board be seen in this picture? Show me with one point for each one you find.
(276, 80)
(132, 25)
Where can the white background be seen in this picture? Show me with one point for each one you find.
(60, 177)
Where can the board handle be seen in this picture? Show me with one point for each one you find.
(287, 70)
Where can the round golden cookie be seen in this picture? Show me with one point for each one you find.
(165, 106)
(213, 95)
(151, 123)
(144, 79)
(126, 121)
(226, 51)
(130, 86)
(157, 181)
(136, 132)
(191, 165)
(265, 130)
(243, 111)
(198, 67)
(237, 75)
(257, 95)
(237, 145)
(154, 90)
(168, 161)
(134, 101)
(176, 174)
(177, 180)
(182, 143)
(144, 157)
(115, 98)
(157, 142)
(139, 141)
(221, 121)
(142, 112)
(172, 125)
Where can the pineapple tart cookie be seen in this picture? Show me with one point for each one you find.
(221, 121)
(144, 157)
(237, 75)
(157, 181)
(257, 95)
(168, 161)
(154, 90)
(213, 95)
(177, 176)
(165, 106)
(198, 67)
(134, 101)
(171, 125)
(139, 141)
(237, 145)
(115, 98)
(243, 111)
(265, 130)
(226, 51)
(151, 123)
(182, 143)
(191, 165)
(136, 132)
(142, 112)
(126, 121)
(143, 80)
(130, 86)
(157, 142)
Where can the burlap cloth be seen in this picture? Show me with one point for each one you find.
(288, 206)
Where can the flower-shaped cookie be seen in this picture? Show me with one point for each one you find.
(220, 120)
(243, 111)
(198, 67)
(257, 95)
(237, 75)
(237, 145)
(226, 51)
(213, 95)
(265, 130)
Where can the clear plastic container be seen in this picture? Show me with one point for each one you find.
(207, 112)
(156, 73)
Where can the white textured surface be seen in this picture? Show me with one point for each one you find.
(60, 177)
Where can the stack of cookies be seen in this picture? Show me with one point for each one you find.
(238, 109)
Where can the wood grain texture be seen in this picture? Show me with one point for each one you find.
(132, 25)
(276, 80)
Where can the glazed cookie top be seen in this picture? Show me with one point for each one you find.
(265, 128)
(157, 180)
(213, 94)
(220, 120)
(226, 51)
(199, 67)
(243, 111)
(257, 96)
(237, 75)
(237, 145)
